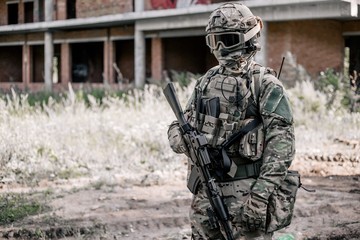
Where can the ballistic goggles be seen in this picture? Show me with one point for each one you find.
(227, 39)
(230, 39)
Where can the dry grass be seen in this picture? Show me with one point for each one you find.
(124, 139)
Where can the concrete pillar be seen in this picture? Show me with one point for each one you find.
(65, 74)
(261, 56)
(49, 47)
(21, 12)
(27, 65)
(49, 10)
(157, 58)
(112, 57)
(108, 59)
(48, 61)
(140, 49)
(36, 11)
(139, 5)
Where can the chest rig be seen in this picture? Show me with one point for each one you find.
(224, 105)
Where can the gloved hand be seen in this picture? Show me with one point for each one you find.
(176, 139)
(253, 213)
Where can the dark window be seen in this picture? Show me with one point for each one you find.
(10, 63)
(41, 10)
(38, 63)
(71, 9)
(353, 45)
(124, 60)
(29, 12)
(13, 9)
(87, 62)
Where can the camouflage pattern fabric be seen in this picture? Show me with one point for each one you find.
(282, 202)
(175, 138)
(242, 91)
(279, 148)
(235, 194)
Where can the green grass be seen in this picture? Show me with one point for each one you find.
(14, 207)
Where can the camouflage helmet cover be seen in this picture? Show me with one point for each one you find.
(231, 17)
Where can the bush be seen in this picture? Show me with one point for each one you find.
(184, 79)
(337, 89)
(43, 98)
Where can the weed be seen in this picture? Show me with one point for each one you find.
(15, 207)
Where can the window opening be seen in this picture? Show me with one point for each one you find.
(29, 12)
(87, 62)
(352, 67)
(13, 13)
(71, 9)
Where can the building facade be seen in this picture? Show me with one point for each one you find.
(47, 44)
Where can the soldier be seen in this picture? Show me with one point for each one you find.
(227, 99)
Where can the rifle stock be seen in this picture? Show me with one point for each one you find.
(200, 157)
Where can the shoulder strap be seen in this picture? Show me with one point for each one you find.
(206, 79)
(201, 85)
(257, 82)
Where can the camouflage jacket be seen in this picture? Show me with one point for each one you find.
(256, 94)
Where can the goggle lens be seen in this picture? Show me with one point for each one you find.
(228, 40)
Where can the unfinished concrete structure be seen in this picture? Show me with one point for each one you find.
(45, 44)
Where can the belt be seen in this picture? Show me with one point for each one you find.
(250, 170)
(235, 187)
(244, 171)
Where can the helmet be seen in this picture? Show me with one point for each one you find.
(232, 33)
(231, 17)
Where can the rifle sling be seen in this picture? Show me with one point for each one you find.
(194, 178)
(240, 133)
(226, 161)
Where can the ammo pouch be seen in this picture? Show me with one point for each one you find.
(252, 143)
(282, 202)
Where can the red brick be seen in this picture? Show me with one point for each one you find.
(316, 44)
(85, 8)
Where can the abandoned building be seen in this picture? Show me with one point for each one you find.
(46, 44)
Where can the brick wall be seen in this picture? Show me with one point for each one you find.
(3, 12)
(168, 4)
(316, 44)
(351, 26)
(187, 54)
(86, 8)
(60, 9)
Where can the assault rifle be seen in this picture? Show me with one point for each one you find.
(200, 157)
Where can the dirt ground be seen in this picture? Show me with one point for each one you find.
(160, 212)
(82, 209)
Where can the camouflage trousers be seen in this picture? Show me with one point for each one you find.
(234, 197)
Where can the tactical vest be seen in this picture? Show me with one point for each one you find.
(221, 106)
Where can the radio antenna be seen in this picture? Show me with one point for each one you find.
(282, 63)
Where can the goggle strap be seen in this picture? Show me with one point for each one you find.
(250, 34)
